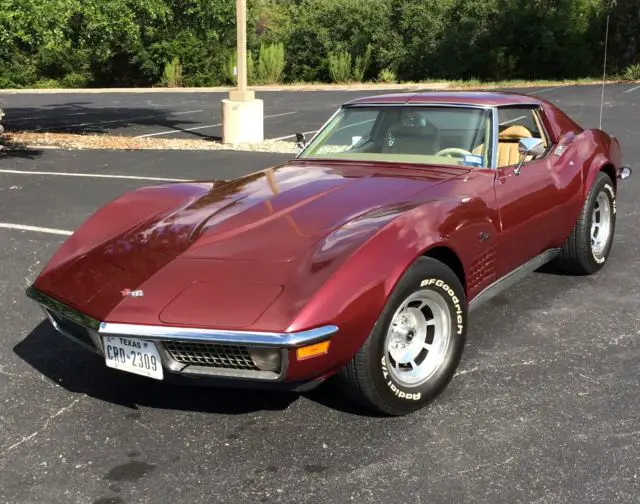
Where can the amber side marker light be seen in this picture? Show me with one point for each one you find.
(311, 351)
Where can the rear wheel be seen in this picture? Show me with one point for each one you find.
(416, 344)
(587, 249)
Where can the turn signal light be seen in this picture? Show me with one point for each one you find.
(308, 352)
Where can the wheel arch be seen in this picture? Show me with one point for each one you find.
(610, 170)
(447, 256)
(602, 153)
(599, 166)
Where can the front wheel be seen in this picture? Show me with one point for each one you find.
(416, 344)
(588, 246)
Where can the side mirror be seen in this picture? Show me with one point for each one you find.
(301, 142)
(529, 147)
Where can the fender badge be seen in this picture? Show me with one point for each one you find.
(129, 292)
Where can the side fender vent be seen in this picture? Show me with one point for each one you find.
(482, 271)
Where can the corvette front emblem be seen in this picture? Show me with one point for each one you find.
(129, 292)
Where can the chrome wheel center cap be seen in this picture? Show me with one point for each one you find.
(404, 332)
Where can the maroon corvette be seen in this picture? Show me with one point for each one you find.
(360, 258)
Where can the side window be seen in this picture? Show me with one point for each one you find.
(514, 124)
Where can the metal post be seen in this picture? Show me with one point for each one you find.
(242, 93)
(241, 16)
(242, 113)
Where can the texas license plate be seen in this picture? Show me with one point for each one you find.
(133, 355)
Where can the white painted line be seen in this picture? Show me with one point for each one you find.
(121, 120)
(49, 116)
(551, 89)
(513, 120)
(315, 131)
(291, 136)
(21, 227)
(41, 147)
(356, 124)
(173, 132)
(632, 89)
(177, 131)
(20, 119)
(93, 175)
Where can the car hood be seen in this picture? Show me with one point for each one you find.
(219, 255)
(276, 214)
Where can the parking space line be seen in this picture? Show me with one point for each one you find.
(93, 175)
(47, 116)
(291, 136)
(122, 119)
(177, 131)
(173, 132)
(550, 89)
(632, 89)
(512, 120)
(22, 227)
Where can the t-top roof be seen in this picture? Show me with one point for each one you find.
(481, 98)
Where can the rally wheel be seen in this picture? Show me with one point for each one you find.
(587, 248)
(415, 346)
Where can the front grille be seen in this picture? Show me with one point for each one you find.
(211, 355)
(73, 329)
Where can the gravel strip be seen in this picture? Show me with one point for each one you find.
(79, 142)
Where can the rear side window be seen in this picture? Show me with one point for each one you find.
(519, 116)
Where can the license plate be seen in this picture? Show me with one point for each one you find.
(133, 355)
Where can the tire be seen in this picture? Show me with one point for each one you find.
(376, 377)
(579, 254)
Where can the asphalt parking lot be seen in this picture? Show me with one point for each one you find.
(197, 115)
(192, 115)
(544, 408)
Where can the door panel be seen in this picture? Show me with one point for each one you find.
(538, 204)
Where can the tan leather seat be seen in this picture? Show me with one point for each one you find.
(508, 141)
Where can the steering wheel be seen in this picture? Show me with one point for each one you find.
(452, 151)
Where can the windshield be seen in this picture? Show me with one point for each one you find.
(442, 135)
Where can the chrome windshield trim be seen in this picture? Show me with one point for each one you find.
(318, 133)
(406, 104)
(273, 339)
(494, 142)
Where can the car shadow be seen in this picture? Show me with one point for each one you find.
(86, 118)
(80, 371)
(13, 150)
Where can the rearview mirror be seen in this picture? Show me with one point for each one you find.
(529, 147)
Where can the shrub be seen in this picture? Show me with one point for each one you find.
(632, 72)
(74, 80)
(271, 61)
(387, 76)
(230, 68)
(361, 65)
(173, 73)
(340, 66)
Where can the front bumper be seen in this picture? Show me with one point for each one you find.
(187, 351)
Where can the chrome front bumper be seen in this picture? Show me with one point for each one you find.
(222, 353)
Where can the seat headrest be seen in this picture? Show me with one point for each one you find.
(515, 133)
(403, 130)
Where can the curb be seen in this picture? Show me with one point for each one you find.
(226, 89)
